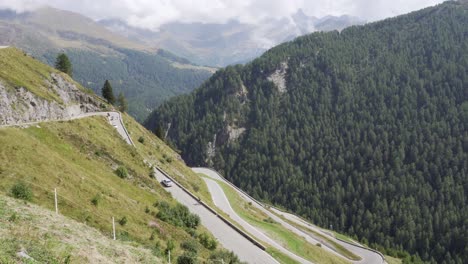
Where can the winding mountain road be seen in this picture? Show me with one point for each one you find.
(221, 201)
(367, 256)
(225, 234)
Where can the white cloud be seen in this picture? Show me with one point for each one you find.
(152, 13)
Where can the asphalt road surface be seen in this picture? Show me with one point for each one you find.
(226, 235)
(221, 201)
(114, 118)
(368, 256)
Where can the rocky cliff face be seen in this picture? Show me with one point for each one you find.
(19, 105)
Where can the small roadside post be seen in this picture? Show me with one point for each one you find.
(113, 227)
(56, 204)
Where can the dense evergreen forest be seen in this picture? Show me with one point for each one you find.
(368, 134)
(145, 79)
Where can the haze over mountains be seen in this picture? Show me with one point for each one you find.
(222, 44)
(146, 76)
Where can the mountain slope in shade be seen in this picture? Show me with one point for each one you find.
(145, 75)
(363, 130)
(232, 42)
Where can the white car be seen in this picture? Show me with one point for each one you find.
(166, 183)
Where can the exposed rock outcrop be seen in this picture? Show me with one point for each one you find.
(279, 77)
(19, 105)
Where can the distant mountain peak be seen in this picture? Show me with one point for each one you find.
(221, 44)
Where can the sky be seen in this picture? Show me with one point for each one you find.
(151, 14)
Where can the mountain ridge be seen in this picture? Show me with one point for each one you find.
(222, 44)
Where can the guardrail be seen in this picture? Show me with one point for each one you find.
(263, 205)
(229, 223)
(363, 247)
(125, 129)
(235, 187)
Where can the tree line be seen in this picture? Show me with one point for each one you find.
(64, 65)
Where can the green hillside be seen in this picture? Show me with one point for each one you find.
(49, 238)
(362, 130)
(80, 158)
(97, 175)
(19, 70)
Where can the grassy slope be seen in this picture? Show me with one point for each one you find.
(78, 158)
(339, 248)
(50, 238)
(20, 70)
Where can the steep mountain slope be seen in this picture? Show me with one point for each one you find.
(231, 42)
(31, 92)
(98, 176)
(363, 131)
(145, 75)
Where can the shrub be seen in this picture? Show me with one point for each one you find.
(21, 191)
(13, 217)
(156, 249)
(187, 258)
(123, 221)
(96, 199)
(225, 256)
(141, 139)
(178, 215)
(170, 245)
(122, 172)
(208, 241)
(190, 245)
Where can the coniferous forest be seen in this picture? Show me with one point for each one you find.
(368, 135)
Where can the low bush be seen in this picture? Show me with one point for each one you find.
(122, 172)
(207, 241)
(96, 199)
(21, 191)
(224, 256)
(190, 245)
(123, 221)
(178, 215)
(187, 258)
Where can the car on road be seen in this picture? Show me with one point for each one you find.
(166, 183)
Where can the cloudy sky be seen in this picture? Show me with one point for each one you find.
(152, 13)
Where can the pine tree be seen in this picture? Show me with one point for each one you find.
(159, 132)
(107, 92)
(122, 102)
(63, 64)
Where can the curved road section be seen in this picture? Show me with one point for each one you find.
(221, 201)
(368, 256)
(225, 234)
